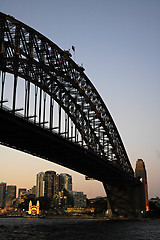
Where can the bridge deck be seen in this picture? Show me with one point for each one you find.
(25, 136)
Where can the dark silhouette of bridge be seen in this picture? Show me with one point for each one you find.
(53, 111)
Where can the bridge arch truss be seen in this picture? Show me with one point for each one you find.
(54, 86)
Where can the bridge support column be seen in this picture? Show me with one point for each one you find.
(2, 87)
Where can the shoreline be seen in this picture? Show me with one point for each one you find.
(85, 217)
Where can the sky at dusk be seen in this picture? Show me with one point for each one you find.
(118, 43)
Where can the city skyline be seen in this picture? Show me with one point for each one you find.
(78, 188)
(49, 184)
(52, 191)
(118, 44)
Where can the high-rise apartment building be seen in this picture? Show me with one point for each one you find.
(2, 194)
(11, 193)
(40, 184)
(51, 181)
(79, 199)
(65, 181)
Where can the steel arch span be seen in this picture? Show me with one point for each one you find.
(56, 87)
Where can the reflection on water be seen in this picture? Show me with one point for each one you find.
(67, 229)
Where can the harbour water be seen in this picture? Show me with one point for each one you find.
(75, 229)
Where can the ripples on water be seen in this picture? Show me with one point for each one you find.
(67, 229)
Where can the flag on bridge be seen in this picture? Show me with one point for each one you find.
(73, 48)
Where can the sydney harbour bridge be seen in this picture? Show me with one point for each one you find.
(49, 108)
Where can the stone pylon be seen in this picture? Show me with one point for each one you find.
(129, 199)
(142, 195)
